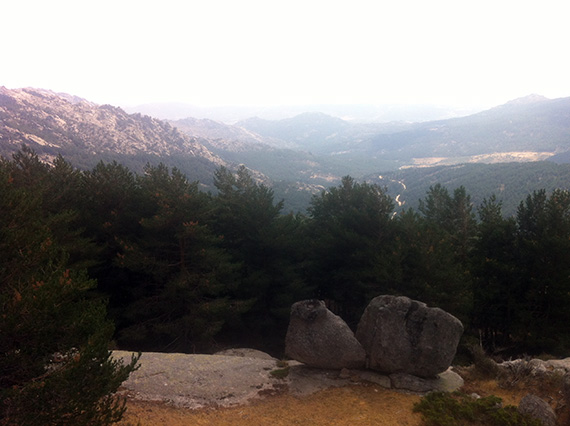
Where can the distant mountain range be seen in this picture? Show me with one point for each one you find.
(528, 129)
(298, 156)
(354, 113)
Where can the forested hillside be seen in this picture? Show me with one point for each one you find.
(185, 270)
(497, 151)
(526, 129)
(509, 182)
(533, 125)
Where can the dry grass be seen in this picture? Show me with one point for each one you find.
(363, 404)
(352, 405)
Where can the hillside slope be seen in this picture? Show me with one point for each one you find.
(86, 133)
(527, 129)
(510, 182)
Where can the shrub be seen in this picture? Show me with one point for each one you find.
(282, 370)
(54, 362)
(484, 366)
(458, 409)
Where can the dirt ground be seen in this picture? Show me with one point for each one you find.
(350, 405)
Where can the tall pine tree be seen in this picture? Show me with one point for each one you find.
(55, 366)
(350, 231)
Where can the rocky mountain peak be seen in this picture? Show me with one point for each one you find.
(526, 100)
(53, 123)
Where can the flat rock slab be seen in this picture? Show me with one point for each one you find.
(196, 381)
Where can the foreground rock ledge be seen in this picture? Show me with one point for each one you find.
(198, 381)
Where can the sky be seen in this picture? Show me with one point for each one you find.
(294, 52)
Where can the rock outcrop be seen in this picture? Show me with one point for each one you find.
(536, 368)
(396, 335)
(319, 338)
(198, 380)
(401, 335)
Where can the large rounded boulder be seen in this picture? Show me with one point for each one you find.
(321, 339)
(401, 335)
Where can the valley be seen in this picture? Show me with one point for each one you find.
(301, 155)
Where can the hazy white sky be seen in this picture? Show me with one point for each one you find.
(265, 52)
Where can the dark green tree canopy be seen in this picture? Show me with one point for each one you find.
(350, 235)
(185, 270)
(48, 309)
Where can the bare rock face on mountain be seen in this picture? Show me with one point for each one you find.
(54, 123)
(319, 338)
(401, 335)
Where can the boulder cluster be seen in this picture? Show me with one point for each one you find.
(395, 335)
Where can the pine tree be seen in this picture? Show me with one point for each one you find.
(496, 299)
(350, 241)
(543, 273)
(447, 234)
(185, 280)
(55, 366)
(268, 249)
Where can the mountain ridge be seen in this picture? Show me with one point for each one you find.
(373, 113)
(55, 124)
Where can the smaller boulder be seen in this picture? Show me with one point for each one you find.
(537, 408)
(321, 339)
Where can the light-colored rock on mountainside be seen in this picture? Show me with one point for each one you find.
(54, 123)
